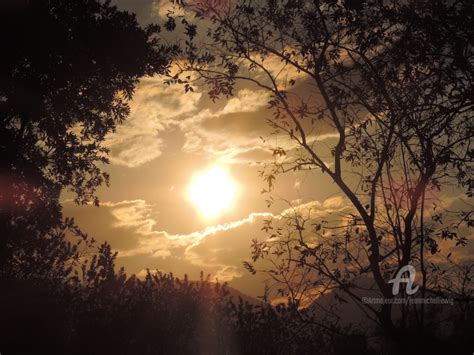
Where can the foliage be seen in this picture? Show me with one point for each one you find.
(375, 95)
(103, 311)
(67, 75)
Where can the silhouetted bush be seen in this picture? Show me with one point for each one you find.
(100, 311)
(96, 310)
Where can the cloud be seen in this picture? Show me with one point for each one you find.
(225, 147)
(228, 247)
(228, 273)
(230, 134)
(163, 253)
(246, 101)
(132, 214)
(221, 247)
(136, 215)
(155, 107)
(315, 209)
(239, 133)
(334, 203)
(161, 8)
(132, 228)
(129, 226)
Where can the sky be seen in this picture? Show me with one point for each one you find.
(146, 213)
(169, 140)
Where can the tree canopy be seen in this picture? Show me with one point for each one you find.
(67, 74)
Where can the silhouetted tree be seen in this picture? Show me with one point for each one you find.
(392, 84)
(67, 72)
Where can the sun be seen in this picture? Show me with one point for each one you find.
(213, 192)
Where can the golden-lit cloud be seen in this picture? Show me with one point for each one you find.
(136, 215)
(154, 108)
(158, 108)
(228, 273)
(134, 229)
(316, 209)
(218, 249)
(230, 134)
(246, 101)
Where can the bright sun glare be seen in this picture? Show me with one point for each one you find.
(212, 192)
